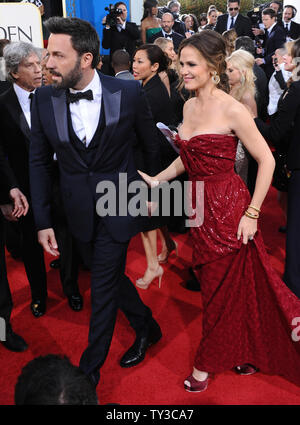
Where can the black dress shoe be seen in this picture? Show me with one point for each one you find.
(38, 308)
(55, 264)
(75, 302)
(137, 351)
(13, 341)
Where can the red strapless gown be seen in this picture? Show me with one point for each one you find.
(247, 309)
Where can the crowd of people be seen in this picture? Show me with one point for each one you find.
(228, 90)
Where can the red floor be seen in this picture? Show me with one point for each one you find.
(157, 380)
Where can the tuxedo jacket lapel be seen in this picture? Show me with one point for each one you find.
(14, 108)
(59, 104)
(60, 114)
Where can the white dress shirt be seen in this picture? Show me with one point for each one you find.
(229, 20)
(275, 91)
(24, 101)
(85, 114)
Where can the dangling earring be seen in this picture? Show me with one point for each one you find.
(215, 77)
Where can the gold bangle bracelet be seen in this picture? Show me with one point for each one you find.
(255, 208)
(250, 213)
(253, 216)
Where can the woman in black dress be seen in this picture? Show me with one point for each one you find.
(148, 61)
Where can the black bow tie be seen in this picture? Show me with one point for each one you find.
(168, 35)
(75, 97)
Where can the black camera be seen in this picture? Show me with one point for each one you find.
(255, 17)
(111, 18)
(255, 14)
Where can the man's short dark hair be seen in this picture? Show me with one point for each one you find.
(119, 3)
(270, 12)
(234, 1)
(53, 380)
(246, 43)
(120, 58)
(84, 37)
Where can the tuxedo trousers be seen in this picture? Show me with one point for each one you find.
(5, 294)
(33, 257)
(111, 290)
(292, 261)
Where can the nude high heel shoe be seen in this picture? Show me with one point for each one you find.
(164, 260)
(141, 283)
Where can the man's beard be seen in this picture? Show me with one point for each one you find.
(71, 79)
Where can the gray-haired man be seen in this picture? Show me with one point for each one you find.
(25, 73)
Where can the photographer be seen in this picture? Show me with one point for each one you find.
(118, 33)
(256, 18)
(274, 38)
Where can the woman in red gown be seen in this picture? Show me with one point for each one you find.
(250, 317)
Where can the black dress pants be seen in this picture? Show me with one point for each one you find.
(292, 262)
(33, 258)
(69, 259)
(110, 289)
(5, 295)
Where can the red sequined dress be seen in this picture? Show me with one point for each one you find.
(249, 314)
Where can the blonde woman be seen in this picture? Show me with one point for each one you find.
(242, 88)
(168, 76)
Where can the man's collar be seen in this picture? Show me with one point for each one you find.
(94, 85)
(22, 94)
(271, 27)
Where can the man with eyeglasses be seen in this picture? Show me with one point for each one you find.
(233, 19)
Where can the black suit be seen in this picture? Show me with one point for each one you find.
(294, 31)
(125, 116)
(5, 295)
(284, 134)
(14, 144)
(177, 38)
(125, 39)
(242, 25)
(272, 41)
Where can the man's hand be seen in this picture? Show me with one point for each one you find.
(257, 31)
(259, 61)
(20, 203)
(47, 239)
(120, 20)
(7, 211)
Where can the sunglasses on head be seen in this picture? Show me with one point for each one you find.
(233, 8)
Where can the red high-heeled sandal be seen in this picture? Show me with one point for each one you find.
(192, 385)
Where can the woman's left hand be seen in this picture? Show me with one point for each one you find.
(247, 229)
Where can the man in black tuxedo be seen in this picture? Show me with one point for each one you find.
(122, 36)
(233, 19)
(292, 29)
(274, 38)
(13, 205)
(167, 23)
(92, 121)
(24, 72)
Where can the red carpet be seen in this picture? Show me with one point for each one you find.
(159, 379)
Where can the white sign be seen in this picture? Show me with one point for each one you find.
(21, 22)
